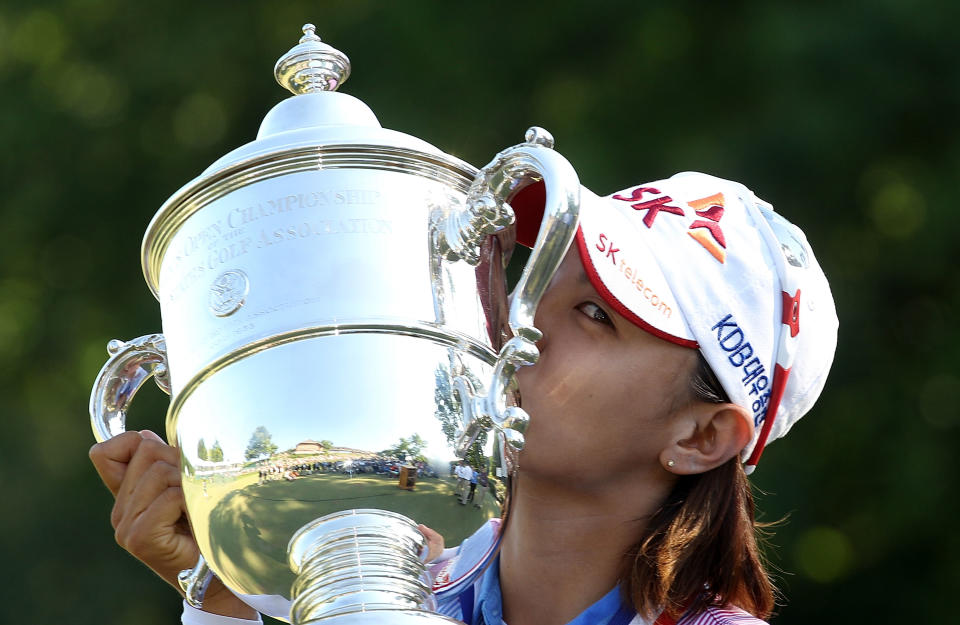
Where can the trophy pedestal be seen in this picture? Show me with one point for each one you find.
(383, 617)
(360, 565)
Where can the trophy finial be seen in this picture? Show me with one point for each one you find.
(309, 33)
(311, 66)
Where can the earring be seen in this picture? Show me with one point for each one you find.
(670, 463)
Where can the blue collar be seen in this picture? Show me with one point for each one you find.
(488, 607)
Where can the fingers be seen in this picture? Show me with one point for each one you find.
(151, 435)
(149, 511)
(435, 542)
(110, 458)
(429, 533)
(141, 487)
(148, 452)
(154, 535)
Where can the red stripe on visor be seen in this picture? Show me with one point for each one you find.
(617, 305)
(780, 377)
(528, 206)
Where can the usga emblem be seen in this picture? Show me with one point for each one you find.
(228, 292)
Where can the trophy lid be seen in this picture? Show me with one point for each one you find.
(317, 114)
(306, 128)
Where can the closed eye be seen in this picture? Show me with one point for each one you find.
(595, 313)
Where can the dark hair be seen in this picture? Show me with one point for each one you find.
(705, 385)
(700, 548)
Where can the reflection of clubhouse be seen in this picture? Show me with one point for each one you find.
(308, 446)
(311, 446)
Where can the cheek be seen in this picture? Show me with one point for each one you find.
(636, 396)
(606, 399)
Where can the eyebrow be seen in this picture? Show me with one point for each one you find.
(583, 278)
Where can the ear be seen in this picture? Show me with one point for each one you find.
(708, 435)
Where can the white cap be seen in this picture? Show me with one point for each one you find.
(702, 262)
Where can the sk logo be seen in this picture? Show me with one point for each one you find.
(652, 207)
(705, 231)
(711, 209)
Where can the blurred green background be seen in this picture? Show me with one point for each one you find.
(843, 114)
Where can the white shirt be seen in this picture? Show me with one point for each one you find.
(193, 616)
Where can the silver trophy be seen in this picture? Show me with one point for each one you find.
(335, 329)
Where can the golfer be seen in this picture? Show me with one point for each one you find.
(688, 327)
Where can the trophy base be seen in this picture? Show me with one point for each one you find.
(384, 617)
(360, 564)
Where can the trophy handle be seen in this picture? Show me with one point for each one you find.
(129, 366)
(194, 582)
(510, 171)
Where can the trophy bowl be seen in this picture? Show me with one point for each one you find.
(336, 330)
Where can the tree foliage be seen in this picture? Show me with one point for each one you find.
(261, 444)
(449, 411)
(409, 448)
(475, 456)
(216, 453)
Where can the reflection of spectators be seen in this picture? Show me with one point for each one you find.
(484, 484)
(464, 473)
(473, 483)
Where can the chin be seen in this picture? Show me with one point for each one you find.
(543, 459)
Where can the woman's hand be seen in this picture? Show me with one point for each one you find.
(149, 514)
(434, 542)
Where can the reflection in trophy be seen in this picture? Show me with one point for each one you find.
(336, 332)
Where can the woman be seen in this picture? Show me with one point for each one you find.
(688, 326)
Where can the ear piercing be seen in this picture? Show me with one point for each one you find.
(670, 463)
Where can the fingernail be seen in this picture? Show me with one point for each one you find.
(150, 434)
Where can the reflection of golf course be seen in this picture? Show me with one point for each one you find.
(250, 523)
